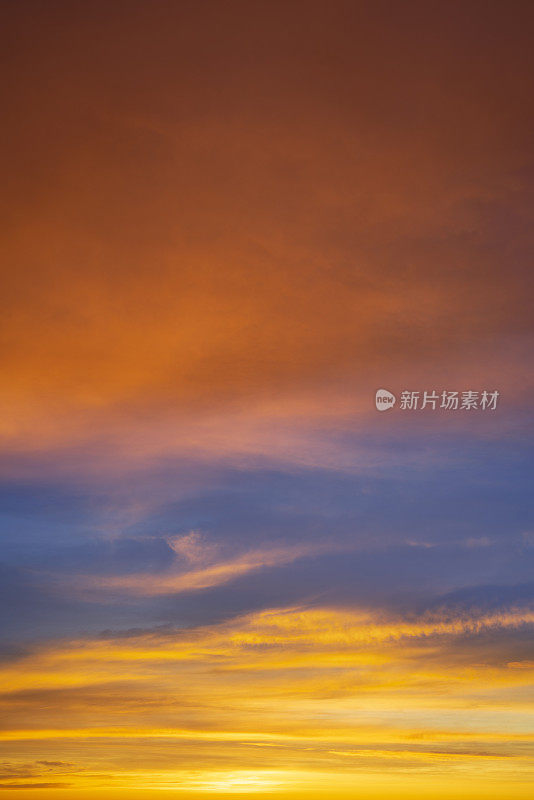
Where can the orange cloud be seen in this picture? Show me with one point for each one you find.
(167, 261)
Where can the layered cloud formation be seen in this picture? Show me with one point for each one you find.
(223, 572)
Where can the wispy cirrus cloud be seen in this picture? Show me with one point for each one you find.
(209, 568)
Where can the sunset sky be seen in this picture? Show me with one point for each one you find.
(224, 572)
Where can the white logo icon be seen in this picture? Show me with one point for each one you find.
(384, 400)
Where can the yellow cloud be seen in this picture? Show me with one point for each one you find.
(292, 696)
